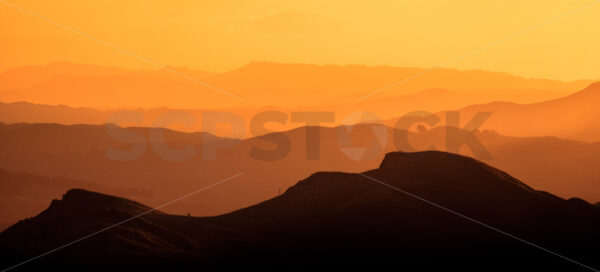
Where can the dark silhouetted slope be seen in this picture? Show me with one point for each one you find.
(152, 240)
(334, 219)
(562, 167)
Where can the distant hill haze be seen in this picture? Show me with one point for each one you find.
(425, 210)
(79, 153)
(572, 117)
(261, 84)
(431, 100)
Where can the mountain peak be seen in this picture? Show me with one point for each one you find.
(446, 166)
(594, 85)
(400, 160)
(80, 200)
(78, 195)
(589, 93)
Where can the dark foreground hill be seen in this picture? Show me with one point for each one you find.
(417, 211)
(42, 161)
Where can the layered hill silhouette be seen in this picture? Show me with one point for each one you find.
(79, 153)
(259, 84)
(432, 100)
(419, 210)
(24, 195)
(572, 117)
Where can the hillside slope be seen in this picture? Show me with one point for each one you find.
(417, 210)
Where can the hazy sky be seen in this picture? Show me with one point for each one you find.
(225, 34)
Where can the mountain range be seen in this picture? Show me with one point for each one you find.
(79, 153)
(569, 115)
(111, 132)
(423, 210)
(259, 84)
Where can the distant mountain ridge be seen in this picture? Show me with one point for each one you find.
(331, 219)
(432, 100)
(258, 83)
(572, 117)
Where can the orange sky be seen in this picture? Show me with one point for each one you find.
(222, 35)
